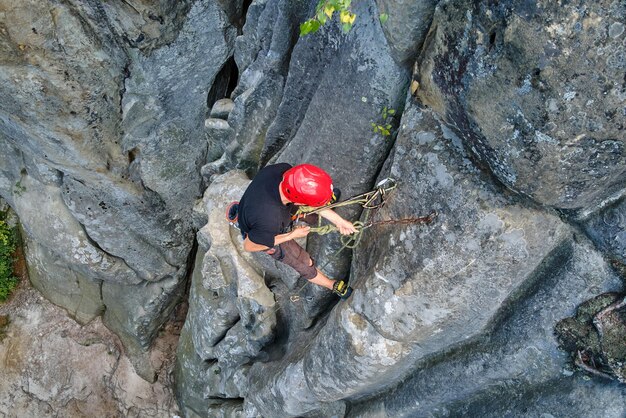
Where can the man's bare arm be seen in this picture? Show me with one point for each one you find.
(345, 227)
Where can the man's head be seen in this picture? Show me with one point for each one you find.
(306, 184)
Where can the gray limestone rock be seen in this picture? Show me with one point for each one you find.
(152, 244)
(72, 68)
(101, 127)
(337, 87)
(143, 24)
(190, 375)
(232, 313)
(517, 368)
(234, 9)
(164, 106)
(79, 295)
(219, 134)
(536, 92)
(51, 225)
(406, 26)
(222, 108)
(208, 299)
(136, 313)
(608, 230)
(419, 290)
(262, 54)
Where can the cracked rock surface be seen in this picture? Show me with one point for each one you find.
(55, 367)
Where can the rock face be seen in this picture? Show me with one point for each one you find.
(406, 26)
(262, 56)
(536, 91)
(101, 126)
(53, 366)
(511, 130)
(608, 230)
(517, 366)
(447, 290)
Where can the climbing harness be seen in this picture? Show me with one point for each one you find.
(232, 214)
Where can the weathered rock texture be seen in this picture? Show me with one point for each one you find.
(52, 366)
(608, 230)
(406, 25)
(536, 90)
(511, 130)
(262, 55)
(516, 368)
(101, 127)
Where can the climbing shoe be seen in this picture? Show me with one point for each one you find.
(341, 289)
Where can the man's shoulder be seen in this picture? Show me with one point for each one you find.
(275, 168)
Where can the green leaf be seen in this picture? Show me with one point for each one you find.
(310, 26)
(305, 29)
(346, 27)
(392, 112)
(383, 18)
(321, 17)
(388, 126)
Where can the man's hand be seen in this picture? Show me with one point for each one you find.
(300, 232)
(345, 227)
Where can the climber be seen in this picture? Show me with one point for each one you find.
(265, 211)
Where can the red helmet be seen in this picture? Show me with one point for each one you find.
(308, 185)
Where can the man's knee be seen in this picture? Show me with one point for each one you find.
(309, 273)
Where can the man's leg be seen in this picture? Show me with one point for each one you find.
(321, 280)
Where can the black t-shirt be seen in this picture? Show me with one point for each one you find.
(262, 214)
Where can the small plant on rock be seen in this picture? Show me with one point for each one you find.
(7, 247)
(385, 126)
(326, 9)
